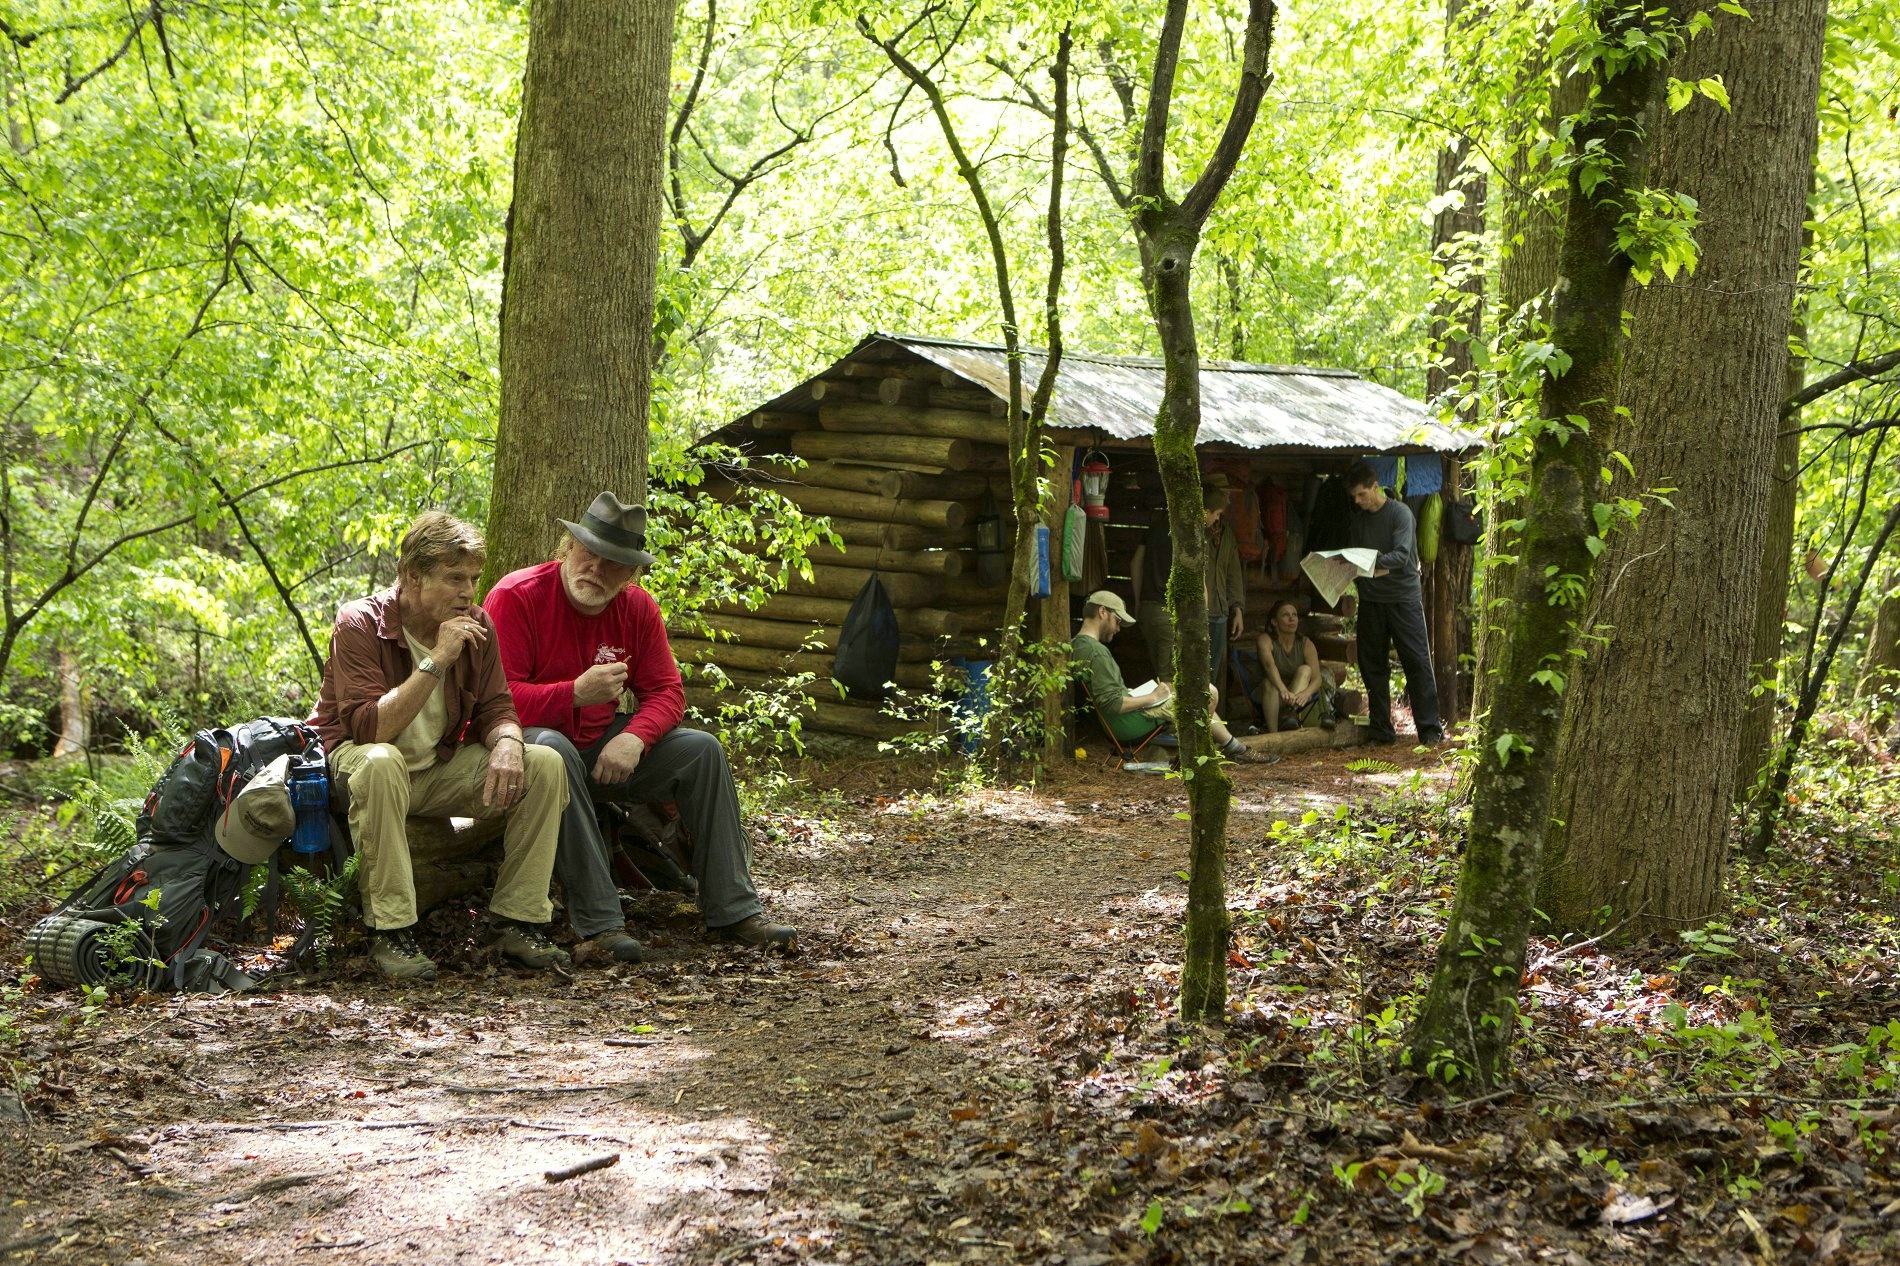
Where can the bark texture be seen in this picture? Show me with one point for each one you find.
(1771, 594)
(1645, 772)
(1470, 1012)
(578, 284)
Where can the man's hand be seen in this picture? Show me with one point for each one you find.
(456, 634)
(619, 759)
(507, 774)
(1235, 623)
(600, 684)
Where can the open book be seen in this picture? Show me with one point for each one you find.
(1333, 570)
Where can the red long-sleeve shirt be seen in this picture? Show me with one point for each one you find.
(546, 643)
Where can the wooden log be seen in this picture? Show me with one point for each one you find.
(919, 450)
(901, 391)
(881, 419)
(794, 635)
(832, 716)
(916, 370)
(780, 635)
(911, 621)
(900, 536)
(910, 484)
(839, 475)
(920, 562)
(975, 399)
(827, 389)
(781, 420)
(1336, 647)
(968, 591)
(1312, 738)
(1337, 667)
(730, 656)
(904, 588)
(873, 506)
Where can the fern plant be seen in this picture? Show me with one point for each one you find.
(1371, 765)
(320, 899)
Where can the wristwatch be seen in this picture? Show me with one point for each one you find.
(427, 664)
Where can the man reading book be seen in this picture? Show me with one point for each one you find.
(1134, 715)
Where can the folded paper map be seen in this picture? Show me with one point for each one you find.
(1332, 571)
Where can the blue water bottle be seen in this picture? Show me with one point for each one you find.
(309, 788)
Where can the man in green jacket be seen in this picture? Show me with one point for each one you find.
(1130, 717)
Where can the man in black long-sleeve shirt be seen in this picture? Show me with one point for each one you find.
(1391, 610)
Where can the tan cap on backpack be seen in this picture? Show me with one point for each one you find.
(260, 818)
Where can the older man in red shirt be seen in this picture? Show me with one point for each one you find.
(576, 633)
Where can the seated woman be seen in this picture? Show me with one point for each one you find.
(1294, 690)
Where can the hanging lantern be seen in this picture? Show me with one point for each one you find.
(1095, 484)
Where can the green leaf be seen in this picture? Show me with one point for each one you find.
(1151, 1220)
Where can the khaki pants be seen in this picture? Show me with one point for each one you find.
(383, 793)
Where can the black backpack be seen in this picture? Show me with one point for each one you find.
(867, 644)
(175, 883)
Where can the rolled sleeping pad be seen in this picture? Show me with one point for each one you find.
(75, 952)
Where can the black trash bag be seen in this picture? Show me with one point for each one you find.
(1464, 522)
(867, 644)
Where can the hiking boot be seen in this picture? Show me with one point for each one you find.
(610, 947)
(758, 930)
(526, 945)
(395, 954)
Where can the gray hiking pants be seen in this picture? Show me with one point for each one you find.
(687, 767)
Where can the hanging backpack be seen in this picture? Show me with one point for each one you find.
(867, 644)
(175, 883)
(1243, 508)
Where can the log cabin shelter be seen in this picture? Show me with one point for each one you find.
(901, 444)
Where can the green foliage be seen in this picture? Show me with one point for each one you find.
(320, 900)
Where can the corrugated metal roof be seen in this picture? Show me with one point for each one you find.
(1250, 406)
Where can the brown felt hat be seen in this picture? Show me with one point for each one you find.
(614, 530)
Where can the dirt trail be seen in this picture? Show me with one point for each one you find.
(841, 1105)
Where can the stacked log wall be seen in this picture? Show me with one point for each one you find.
(899, 457)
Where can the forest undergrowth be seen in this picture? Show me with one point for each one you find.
(976, 1058)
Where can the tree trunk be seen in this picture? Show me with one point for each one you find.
(578, 280)
(1457, 322)
(75, 709)
(1777, 561)
(1645, 771)
(1527, 268)
(1880, 669)
(1470, 1013)
(1168, 233)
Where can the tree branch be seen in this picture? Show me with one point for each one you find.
(1254, 81)
(250, 538)
(1150, 183)
(1847, 376)
(74, 85)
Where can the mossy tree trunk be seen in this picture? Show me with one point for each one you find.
(1457, 322)
(1531, 241)
(1168, 232)
(1644, 782)
(1470, 1013)
(579, 275)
